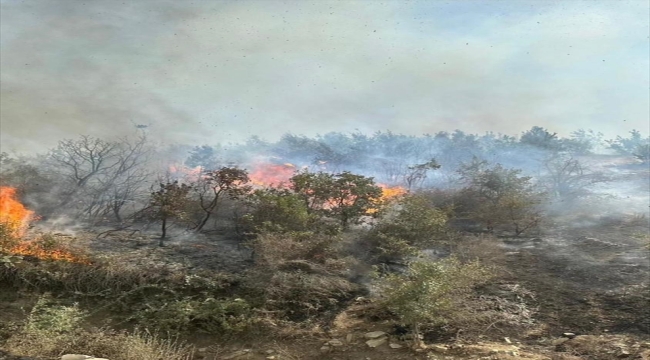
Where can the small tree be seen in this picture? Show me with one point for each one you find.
(169, 202)
(540, 138)
(429, 291)
(635, 145)
(567, 179)
(314, 189)
(501, 196)
(228, 181)
(344, 196)
(416, 174)
(353, 196)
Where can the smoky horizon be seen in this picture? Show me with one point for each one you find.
(220, 71)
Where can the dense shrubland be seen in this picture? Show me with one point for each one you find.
(323, 239)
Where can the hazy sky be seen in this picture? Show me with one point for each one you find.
(217, 71)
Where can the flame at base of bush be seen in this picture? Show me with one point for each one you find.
(40, 250)
(13, 215)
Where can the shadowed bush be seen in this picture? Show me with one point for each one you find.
(53, 329)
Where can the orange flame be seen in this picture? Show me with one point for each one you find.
(272, 175)
(12, 213)
(40, 251)
(390, 192)
(185, 171)
(16, 218)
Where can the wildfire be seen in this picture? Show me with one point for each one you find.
(390, 192)
(186, 172)
(38, 250)
(387, 194)
(16, 218)
(12, 213)
(272, 175)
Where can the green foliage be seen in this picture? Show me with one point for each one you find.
(48, 317)
(583, 142)
(230, 181)
(169, 202)
(429, 292)
(415, 226)
(278, 210)
(182, 316)
(540, 138)
(501, 197)
(635, 145)
(344, 196)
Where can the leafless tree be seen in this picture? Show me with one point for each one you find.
(567, 178)
(100, 177)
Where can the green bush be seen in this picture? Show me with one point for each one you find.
(500, 197)
(277, 211)
(429, 291)
(415, 226)
(47, 316)
(214, 316)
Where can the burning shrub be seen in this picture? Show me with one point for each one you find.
(48, 247)
(14, 217)
(345, 196)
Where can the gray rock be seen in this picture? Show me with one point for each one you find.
(80, 357)
(335, 342)
(439, 348)
(374, 334)
(373, 343)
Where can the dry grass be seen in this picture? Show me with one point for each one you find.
(52, 329)
(299, 276)
(109, 344)
(482, 247)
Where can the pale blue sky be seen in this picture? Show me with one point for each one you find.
(217, 71)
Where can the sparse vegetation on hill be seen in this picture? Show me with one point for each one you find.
(445, 241)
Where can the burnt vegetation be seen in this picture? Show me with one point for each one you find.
(445, 236)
